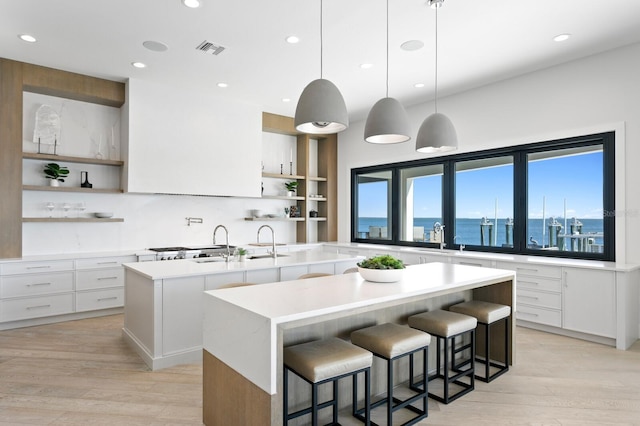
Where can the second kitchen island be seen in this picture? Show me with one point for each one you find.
(163, 308)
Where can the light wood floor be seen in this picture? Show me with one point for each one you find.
(82, 373)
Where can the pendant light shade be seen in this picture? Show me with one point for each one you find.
(436, 134)
(321, 109)
(387, 123)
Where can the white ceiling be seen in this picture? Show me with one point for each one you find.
(479, 42)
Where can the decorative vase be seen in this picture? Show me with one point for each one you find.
(84, 180)
(54, 182)
(290, 193)
(243, 257)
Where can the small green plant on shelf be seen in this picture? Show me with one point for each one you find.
(382, 262)
(55, 172)
(242, 252)
(291, 186)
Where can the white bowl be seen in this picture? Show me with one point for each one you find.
(103, 215)
(381, 275)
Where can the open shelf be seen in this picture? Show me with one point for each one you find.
(71, 189)
(318, 219)
(279, 176)
(282, 197)
(60, 158)
(317, 179)
(72, 219)
(275, 219)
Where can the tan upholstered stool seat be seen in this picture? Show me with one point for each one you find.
(390, 340)
(443, 323)
(323, 359)
(313, 275)
(485, 312)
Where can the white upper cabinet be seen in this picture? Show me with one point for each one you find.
(186, 142)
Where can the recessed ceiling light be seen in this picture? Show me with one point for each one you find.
(410, 45)
(138, 64)
(561, 37)
(191, 3)
(286, 100)
(418, 85)
(155, 46)
(366, 66)
(223, 85)
(28, 38)
(292, 39)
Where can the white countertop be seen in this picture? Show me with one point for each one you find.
(504, 257)
(188, 267)
(250, 347)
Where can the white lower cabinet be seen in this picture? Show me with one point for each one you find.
(182, 314)
(36, 307)
(538, 293)
(589, 301)
(212, 282)
(38, 289)
(261, 276)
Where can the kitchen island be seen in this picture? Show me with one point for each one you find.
(246, 328)
(163, 299)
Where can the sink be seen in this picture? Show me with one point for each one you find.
(265, 256)
(207, 259)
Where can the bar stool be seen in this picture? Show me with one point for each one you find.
(446, 326)
(324, 361)
(488, 314)
(391, 342)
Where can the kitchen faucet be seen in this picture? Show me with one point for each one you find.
(438, 230)
(227, 239)
(273, 239)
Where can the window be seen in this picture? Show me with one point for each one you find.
(421, 201)
(484, 202)
(565, 199)
(373, 200)
(549, 198)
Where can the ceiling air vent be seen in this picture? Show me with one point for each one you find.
(208, 47)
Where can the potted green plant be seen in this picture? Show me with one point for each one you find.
(291, 187)
(242, 253)
(56, 173)
(382, 269)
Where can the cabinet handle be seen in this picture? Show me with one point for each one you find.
(528, 282)
(38, 307)
(37, 284)
(107, 263)
(470, 264)
(527, 269)
(39, 267)
(107, 298)
(522, 296)
(529, 313)
(107, 278)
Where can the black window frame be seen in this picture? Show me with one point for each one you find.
(520, 196)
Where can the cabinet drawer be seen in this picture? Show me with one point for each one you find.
(99, 299)
(35, 267)
(539, 298)
(537, 270)
(36, 284)
(100, 278)
(537, 283)
(539, 315)
(35, 307)
(104, 262)
(482, 263)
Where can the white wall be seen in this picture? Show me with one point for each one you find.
(150, 220)
(594, 94)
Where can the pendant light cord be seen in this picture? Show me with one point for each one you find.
(436, 76)
(387, 92)
(321, 39)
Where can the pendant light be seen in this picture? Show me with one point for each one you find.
(321, 108)
(387, 121)
(436, 133)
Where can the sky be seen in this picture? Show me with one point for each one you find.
(575, 179)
